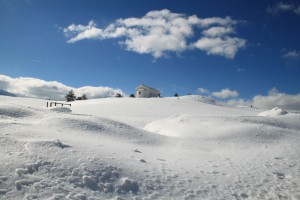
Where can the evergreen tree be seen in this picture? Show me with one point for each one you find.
(176, 95)
(83, 97)
(118, 95)
(70, 96)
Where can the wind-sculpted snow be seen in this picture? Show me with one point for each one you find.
(195, 150)
(10, 111)
(273, 112)
(102, 127)
(61, 109)
(65, 177)
(201, 99)
(216, 128)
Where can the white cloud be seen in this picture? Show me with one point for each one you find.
(227, 21)
(277, 99)
(238, 102)
(80, 32)
(241, 69)
(226, 46)
(97, 92)
(284, 7)
(273, 99)
(203, 91)
(297, 10)
(226, 93)
(159, 32)
(292, 54)
(37, 88)
(218, 31)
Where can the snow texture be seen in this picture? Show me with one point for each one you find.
(189, 147)
(273, 112)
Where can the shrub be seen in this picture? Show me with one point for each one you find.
(70, 96)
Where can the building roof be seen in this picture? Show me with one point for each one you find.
(142, 85)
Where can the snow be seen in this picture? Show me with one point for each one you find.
(190, 147)
(5, 93)
(273, 112)
(61, 109)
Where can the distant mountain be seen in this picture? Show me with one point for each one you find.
(5, 93)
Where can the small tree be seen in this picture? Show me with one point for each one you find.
(83, 97)
(176, 95)
(132, 96)
(118, 95)
(70, 96)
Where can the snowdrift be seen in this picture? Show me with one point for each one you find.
(224, 128)
(273, 112)
(170, 148)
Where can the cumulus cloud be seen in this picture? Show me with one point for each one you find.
(203, 91)
(277, 99)
(226, 93)
(226, 46)
(273, 99)
(284, 7)
(218, 31)
(159, 32)
(238, 102)
(37, 88)
(292, 58)
(292, 54)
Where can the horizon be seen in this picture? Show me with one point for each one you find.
(239, 54)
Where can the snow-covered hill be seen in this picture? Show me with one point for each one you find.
(190, 147)
(5, 93)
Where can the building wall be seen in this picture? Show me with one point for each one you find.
(144, 92)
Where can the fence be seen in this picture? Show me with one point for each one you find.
(49, 104)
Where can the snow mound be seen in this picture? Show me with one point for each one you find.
(185, 126)
(15, 111)
(273, 112)
(61, 109)
(102, 126)
(202, 99)
(225, 128)
(99, 151)
(46, 176)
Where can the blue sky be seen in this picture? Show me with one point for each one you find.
(247, 47)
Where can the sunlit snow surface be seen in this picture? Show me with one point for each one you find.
(125, 148)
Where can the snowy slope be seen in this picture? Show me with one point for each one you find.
(5, 93)
(140, 112)
(167, 148)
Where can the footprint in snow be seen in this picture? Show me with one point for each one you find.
(142, 160)
(137, 151)
(279, 175)
(3, 191)
(59, 144)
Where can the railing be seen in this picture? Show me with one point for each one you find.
(56, 103)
